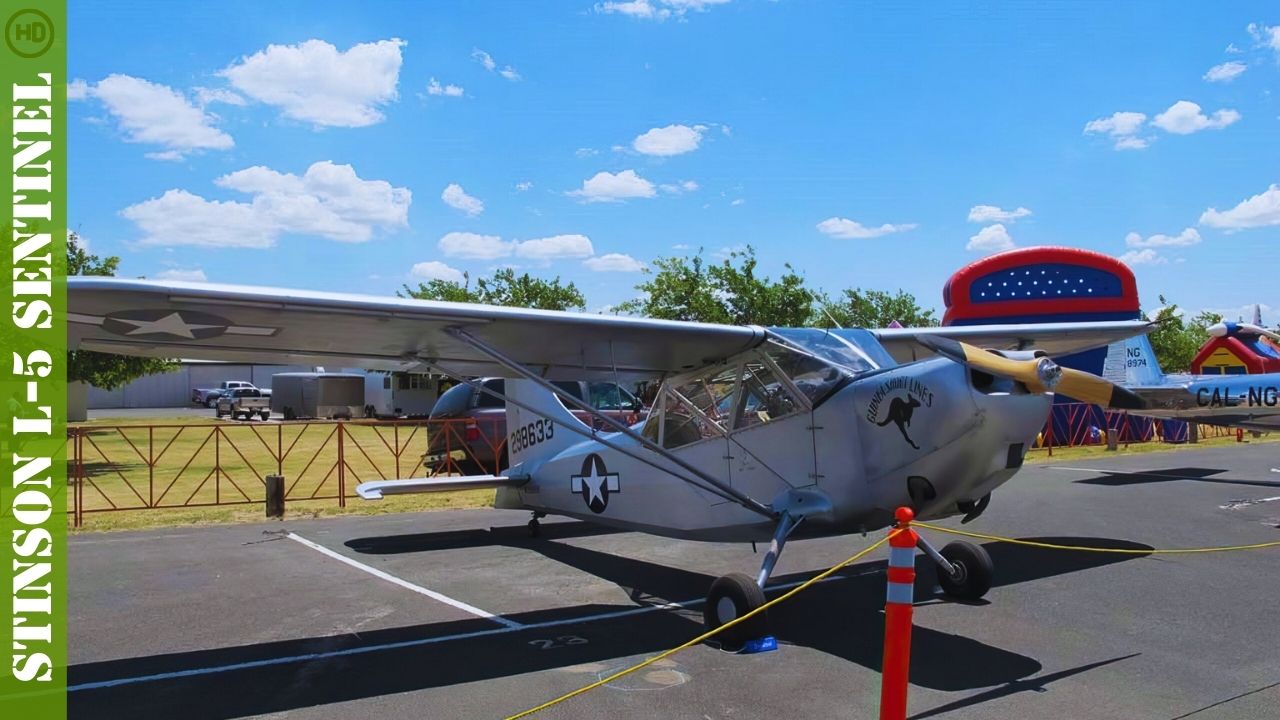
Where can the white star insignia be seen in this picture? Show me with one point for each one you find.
(171, 324)
(595, 485)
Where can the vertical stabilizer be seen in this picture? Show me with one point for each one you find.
(1133, 363)
(536, 436)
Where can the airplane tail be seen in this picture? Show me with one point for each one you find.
(535, 436)
(1133, 363)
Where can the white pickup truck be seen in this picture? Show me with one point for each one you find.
(208, 397)
(243, 403)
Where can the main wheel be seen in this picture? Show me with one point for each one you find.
(535, 528)
(211, 402)
(974, 571)
(265, 416)
(733, 596)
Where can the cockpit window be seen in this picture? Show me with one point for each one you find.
(854, 349)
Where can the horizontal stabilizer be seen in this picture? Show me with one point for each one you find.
(378, 488)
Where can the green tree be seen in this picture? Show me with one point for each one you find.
(729, 292)
(1176, 340)
(104, 370)
(873, 309)
(504, 288)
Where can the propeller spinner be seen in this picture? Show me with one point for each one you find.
(1038, 374)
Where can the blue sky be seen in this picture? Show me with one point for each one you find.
(355, 147)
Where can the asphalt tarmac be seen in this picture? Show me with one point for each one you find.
(460, 615)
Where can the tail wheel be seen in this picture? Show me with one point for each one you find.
(974, 571)
(731, 597)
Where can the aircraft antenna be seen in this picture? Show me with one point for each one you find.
(830, 317)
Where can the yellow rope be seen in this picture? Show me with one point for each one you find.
(1081, 548)
(708, 634)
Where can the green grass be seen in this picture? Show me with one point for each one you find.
(148, 472)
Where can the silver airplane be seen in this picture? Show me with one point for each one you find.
(1248, 401)
(756, 434)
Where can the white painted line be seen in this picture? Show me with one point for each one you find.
(1143, 473)
(267, 662)
(407, 585)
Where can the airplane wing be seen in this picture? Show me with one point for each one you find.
(296, 327)
(200, 321)
(1057, 339)
(1248, 401)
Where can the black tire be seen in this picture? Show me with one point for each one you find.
(733, 596)
(535, 528)
(265, 416)
(974, 571)
(211, 402)
(217, 413)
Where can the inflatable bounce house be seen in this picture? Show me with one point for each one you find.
(1238, 350)
(1052, 284)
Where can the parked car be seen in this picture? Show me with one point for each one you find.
(478, 424)
(243, 403)
(208, 396)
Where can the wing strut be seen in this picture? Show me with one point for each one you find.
(725, 490)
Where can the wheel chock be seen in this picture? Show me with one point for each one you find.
(767, 643)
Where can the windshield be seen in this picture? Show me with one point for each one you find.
(853, 349)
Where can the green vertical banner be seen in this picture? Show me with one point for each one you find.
(34, 490)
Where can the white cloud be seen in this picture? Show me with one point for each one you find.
(78, 90)
(154, 114)
(166, 156)
(846, 229)
(435, 88)
(208, 96)
(1261, 210)
(473, 246)
(585, 152)
(1232, 49)
(329, 201)
(669, 140)
(613, 262)
(1226, 72)
(555, 247)
(1265, 36)
(524, 185)
(991, 238)
(315, 83)
(991, 213)
(737, 201)
(610, 187)
(1132, 143)
(486, 60)
(455, 197)
(193, 275)
(1142, 257)
(436, 270)
(181, 218)
(1184, 117)
(655, 9)
(683, 186)
(1189, 236)
(1122, 127)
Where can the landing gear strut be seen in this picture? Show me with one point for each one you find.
(535, 528)
(964, 569)
(736, 594)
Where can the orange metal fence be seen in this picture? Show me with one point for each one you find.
(144, 467)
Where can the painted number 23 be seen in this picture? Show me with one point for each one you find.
(531, 434)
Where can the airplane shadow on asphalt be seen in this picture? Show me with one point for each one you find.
(1141, 477)
(842, 618)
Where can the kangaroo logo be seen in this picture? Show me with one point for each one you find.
(900, 412)
(902, 395)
